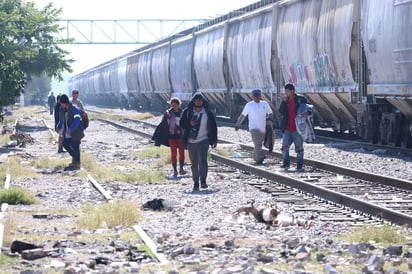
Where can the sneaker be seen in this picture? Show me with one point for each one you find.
(175, 173)
(71, 168)
(300, 169)
(60, 150)
(285, 167)
(182, 172)
(204, 185)
(259, 162)
(196, 187)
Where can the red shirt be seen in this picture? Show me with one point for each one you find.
(291, 125)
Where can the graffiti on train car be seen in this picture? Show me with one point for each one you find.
(300, 75)
(325, 73)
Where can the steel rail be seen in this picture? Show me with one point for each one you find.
(142, 134)
(362, 175)
(332, 196)
(342, 199)
(351, 140)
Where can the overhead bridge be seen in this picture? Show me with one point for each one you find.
(136, 31)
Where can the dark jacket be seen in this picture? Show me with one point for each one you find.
(51, 101)
(284, 112)
(73, 122)
(187, 117)
(269, 140)
(160, 135)
(56, 114)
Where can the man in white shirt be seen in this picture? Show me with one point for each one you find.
(259, 113)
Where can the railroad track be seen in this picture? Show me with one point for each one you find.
(323, 212)
(88, 191)
(374, 195)
(349, 140)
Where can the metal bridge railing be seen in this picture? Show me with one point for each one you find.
(136, 31)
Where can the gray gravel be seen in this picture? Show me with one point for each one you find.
(197, 232)
(378, 161)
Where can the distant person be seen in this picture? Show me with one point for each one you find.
(51, 101)
(72, 131)
(259, 113)
(57, 110)
(169, 133)
(75, 99)
(200, 131)
(288, 110)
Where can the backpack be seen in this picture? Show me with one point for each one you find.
(85, 119)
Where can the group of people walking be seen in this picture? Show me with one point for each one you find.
(67, 117)
(260, 115)
(195, 129)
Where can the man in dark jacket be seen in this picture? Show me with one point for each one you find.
(57, 114)
(200, 131)
(288, 110)
(71, 129)
(51, 101)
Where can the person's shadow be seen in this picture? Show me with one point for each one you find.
(202, 191)
(179, 177)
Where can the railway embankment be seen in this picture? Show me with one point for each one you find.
(196, 232)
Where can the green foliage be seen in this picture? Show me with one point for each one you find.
(12, 81)
(17, 196)
(29, 46)
(146, 249)
(16, 168)
(48, 162)
(5, 259)
(386, 234)
(159, 156)
(127, 173)
(110, 215)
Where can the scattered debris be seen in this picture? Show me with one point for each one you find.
(21, 138)
(160, 204)
(264, 215)
(19, 246)
(270, 215)
(155, 204)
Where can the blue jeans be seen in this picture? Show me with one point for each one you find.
(288, 138)
(73, 148)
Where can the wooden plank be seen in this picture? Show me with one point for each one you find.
(100, 188)
(51, 131)
(7, 182)
(162, 259)
(3, 209)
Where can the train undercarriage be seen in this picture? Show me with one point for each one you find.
(378, 123)
(384, 124)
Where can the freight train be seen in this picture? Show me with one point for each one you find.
(351, 59)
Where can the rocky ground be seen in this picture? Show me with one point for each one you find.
(197, 232)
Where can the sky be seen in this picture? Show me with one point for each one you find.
(88, 56)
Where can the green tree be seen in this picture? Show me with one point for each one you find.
(11, 80)
(29, 46)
